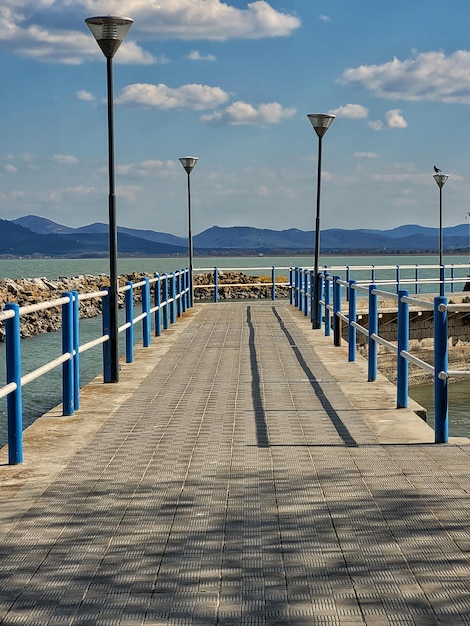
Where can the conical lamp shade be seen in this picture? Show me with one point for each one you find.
(189, 163)
(321, 122)
(109, 31)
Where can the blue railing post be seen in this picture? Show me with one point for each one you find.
(308, 293)
(296, 287)
(146, 321)
(397, 277)
(373, 330)
(186, 299)
(402, 363)
(452, 278)
(13, 372)
(179, 304)
(352, 318)
(327, 299)
(372, 275)
(336, 310)
(273, 280)
(441, 408)
(300, 289)
(216, 284)
(67, 346)
(106, 323)
(319, 294)
(416, 279)
(348, 278)
(129, 302)
(184, 291)
(166, 323)
(172, 298)
(76, 351)
(190, 296)
(291, 285)
(158, 306)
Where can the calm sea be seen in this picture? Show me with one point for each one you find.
(45, 393)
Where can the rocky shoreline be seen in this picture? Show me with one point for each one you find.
(27, 291)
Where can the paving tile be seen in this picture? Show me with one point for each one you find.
(240, 481)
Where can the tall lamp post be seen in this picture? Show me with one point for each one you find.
(110, 31)
(321, 123)
(441, 179)
(189, 163)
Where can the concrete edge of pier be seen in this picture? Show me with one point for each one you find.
(53, 440)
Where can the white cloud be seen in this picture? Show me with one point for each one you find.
(82, 94)
(393, 119)
(243, 113)
(325, 18)
(129, 192)
(366, 155)
(70, 43)
(11, 169)
(64, 159)
(194, 97)
(54, 31)
(430, 76)
(214, 19)
(53, 196)
(351, 111)
(148, 168)
(195, 55)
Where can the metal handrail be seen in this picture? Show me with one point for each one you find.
(302, 285)
(176, 289)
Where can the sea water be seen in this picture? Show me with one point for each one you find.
(45, 393)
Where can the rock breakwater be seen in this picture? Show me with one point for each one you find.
(238, 286)
(27, 291)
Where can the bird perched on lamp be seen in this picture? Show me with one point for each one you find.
(437, 170)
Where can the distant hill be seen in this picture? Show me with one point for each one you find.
(44, 226)
(33, 235)
(16, 240)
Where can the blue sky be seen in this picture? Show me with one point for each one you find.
(232, 83)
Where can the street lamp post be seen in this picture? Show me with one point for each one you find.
(110, 31)
(441, 179)
(189, 163)
(320, 122)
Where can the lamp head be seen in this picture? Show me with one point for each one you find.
(321, 122)
(441, 179)
(189, 163)
(109, 31)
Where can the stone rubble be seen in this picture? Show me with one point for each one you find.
(27, 291)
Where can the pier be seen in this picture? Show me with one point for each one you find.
(241, 472)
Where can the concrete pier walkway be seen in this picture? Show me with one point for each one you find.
(241, 472)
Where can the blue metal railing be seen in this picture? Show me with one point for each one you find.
(331, 314)
(217, 284)
(165, 297)
(175, 301)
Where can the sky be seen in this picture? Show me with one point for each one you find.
(232, 82)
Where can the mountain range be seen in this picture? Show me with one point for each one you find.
(36, 236)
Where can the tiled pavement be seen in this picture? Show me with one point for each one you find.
(238, 485)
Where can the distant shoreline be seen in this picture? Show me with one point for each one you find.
(239, 254)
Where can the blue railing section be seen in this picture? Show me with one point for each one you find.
(216, 284)
(164, 298)
(416, 278)
(346, 291)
